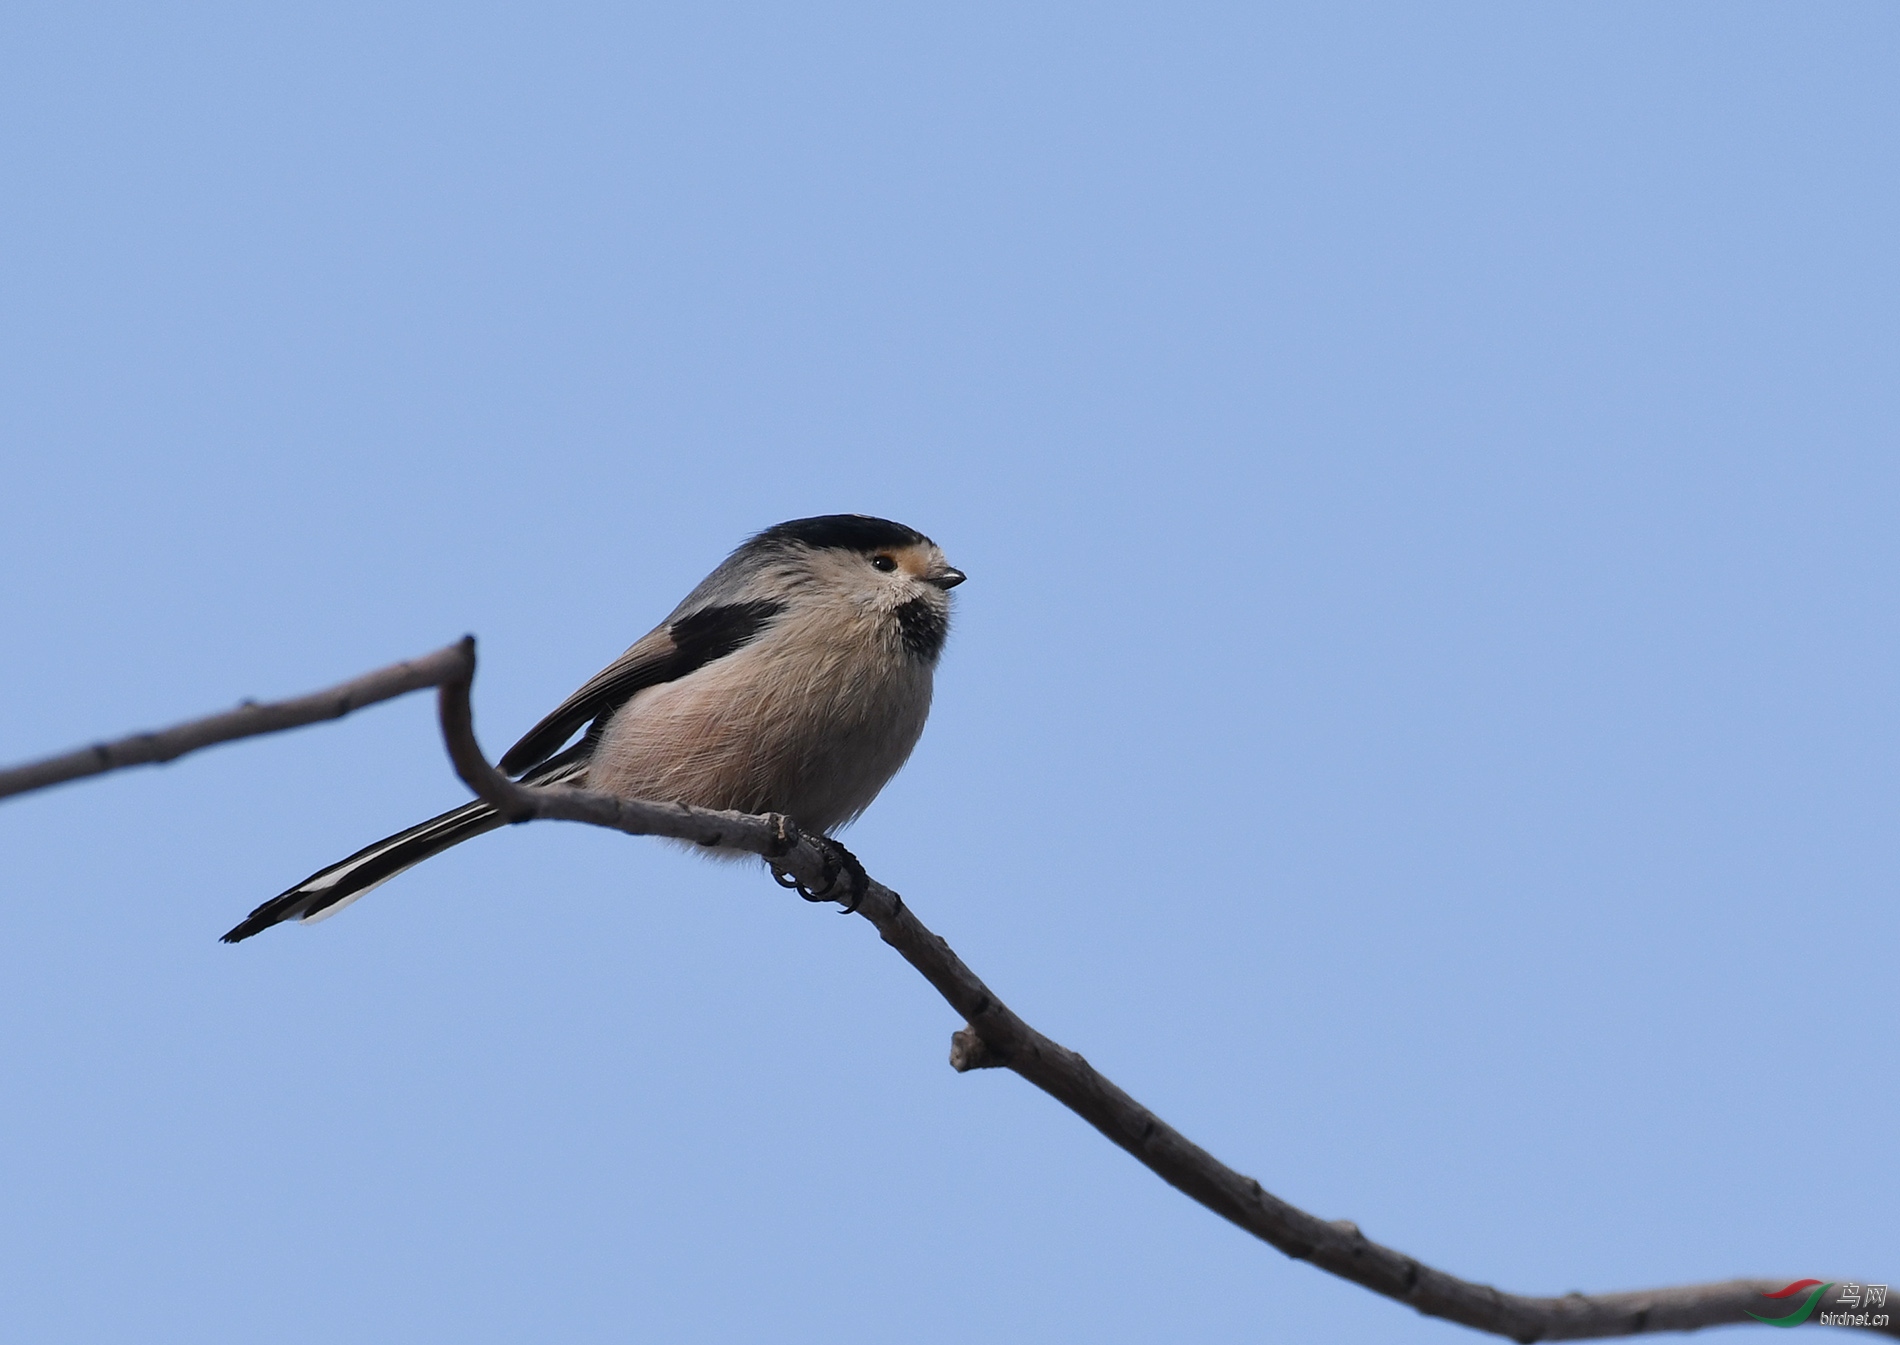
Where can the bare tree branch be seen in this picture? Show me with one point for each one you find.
(247, 721)
(995, 1037)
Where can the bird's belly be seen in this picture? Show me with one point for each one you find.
(733, 735)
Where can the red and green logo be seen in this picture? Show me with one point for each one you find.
(1812, 1288)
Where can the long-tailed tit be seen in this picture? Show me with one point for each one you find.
(795, 679)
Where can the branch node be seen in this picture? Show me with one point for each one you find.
(785, 836)
(969, 1051)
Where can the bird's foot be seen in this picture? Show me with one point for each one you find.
(840, 866)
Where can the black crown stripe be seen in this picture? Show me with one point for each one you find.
(843, 532)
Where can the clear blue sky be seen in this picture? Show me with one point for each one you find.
(1422, 716)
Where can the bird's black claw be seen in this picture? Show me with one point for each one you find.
(860, 881)
(839, 863)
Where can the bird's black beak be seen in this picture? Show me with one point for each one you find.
(949, 579)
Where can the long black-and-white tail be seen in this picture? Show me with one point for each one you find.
(328, 891)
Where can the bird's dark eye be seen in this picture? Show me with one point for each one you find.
(884, 563)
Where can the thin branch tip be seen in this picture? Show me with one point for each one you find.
(454, 708)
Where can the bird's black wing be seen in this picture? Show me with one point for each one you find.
(666, 655)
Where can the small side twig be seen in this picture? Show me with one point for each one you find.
(969, 1051)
